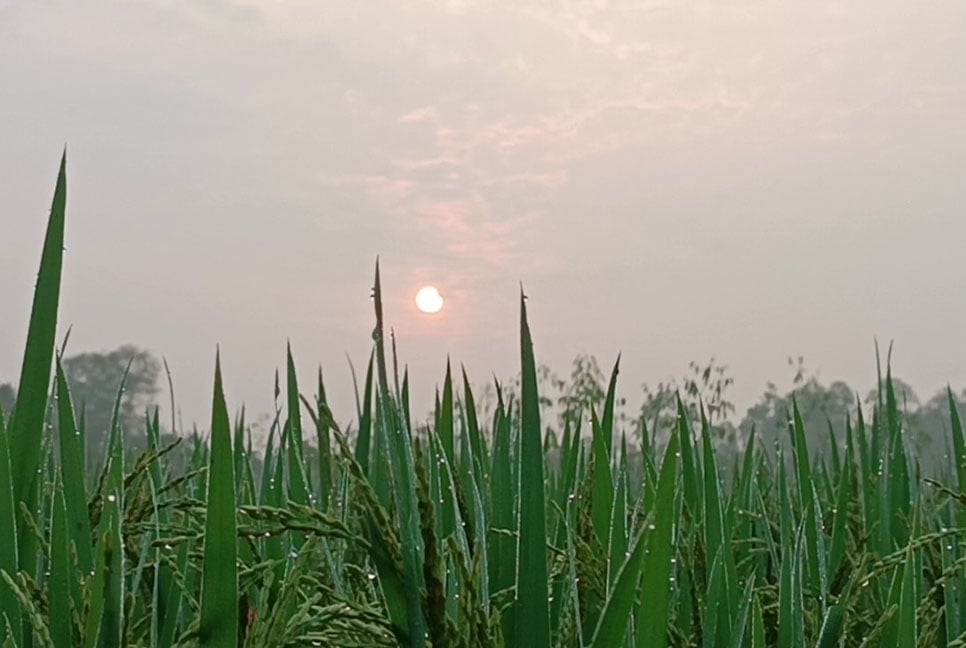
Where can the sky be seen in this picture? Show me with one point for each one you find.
(670, 180)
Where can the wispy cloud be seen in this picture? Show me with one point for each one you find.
(421, 115)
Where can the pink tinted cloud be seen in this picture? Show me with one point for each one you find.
(425, 114)
(549, 180)
(468, 228)
(381, 188)
(430, 163)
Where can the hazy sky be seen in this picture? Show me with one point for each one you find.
(749, 179)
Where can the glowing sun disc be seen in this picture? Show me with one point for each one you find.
(429, 300)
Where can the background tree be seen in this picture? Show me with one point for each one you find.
(820, 406)
(586, 389)
(8, 397)
(927, 428)
(704, 386)
(905, 395)
(562, 401)
(95, 378)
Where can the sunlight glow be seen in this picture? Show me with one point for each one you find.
(428, 299)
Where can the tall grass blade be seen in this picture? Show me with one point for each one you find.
(502, 547)
(72, 476)
(445, 424)
(906, 627)
(738, 634)
(807, 502)
(480, 467)
(297, 487)
(27, 427)
(395, 431)
(717, 539)
(324, 445)
(532, 620)
(898, 482)
(830, 635)
(692, 478)
(62, 572)
(103, 624)
(757, 625)
(616, 615)
(602, 483)
(363, 449)
(652, 619)
(10, 615)
(219, 580)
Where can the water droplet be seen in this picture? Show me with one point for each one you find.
(111, 498)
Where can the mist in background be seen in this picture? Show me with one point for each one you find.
(746, 180)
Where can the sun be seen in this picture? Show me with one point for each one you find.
(429, 300)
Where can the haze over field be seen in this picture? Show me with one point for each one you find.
(750, 180)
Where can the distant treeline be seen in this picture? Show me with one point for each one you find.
(95, 379)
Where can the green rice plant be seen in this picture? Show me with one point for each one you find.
(29, 417)
(532, 613)
(10, 610)
(61, 572)
(219, 584)
(656, 589)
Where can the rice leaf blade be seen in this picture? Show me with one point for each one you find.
(27, 427)
(219, 579)
(9, 604)
(72, 471)
(60, 584)
(652, 620)
(532, 614)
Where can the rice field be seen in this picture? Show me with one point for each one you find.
(467, 533)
